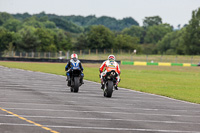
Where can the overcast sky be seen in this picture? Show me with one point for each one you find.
(173, 12)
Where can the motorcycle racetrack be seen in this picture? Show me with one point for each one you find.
(41, 103)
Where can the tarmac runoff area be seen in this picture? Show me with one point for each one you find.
(35, 102)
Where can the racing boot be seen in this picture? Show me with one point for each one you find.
(69, 83)
(69, 80)
(82, 81)
(116, 88)
(102, 84)
(82, 75)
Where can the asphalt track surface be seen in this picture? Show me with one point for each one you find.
(34, 102)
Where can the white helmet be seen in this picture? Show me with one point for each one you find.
(111, 58)
(74, 57)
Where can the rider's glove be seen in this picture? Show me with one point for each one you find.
(100, 71)
(100, 75)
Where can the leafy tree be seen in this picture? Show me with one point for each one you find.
(126, 42)
(33, 22)
(51, 48)
(66, 25)
(12, 25)
(29, 40)
(6, 38)
(49, 24)
(17, 40)
(41, 16)
(156, 33)
(127, 22)
(80, 20)
(81, 42)
(112, 23)
(109, 22)
(62, 40)
(4, 17)
(135, 31)
(149, 49)
(172, 43)
(100, 37)
(104, 20)
(45, 37)
(151, 21)
(42, 19)
(192, 36)
(50, 32)
(21, 17)
(75, 24)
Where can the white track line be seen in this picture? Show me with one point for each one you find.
(97, 96)
(104, 128)
(102, 112)
(105, 119)
(79, 105)
(94, 106)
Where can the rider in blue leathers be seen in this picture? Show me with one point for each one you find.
(74, 62)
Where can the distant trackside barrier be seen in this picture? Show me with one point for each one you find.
(49, 60)
(136, 63)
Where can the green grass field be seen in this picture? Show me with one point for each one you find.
(176, 82)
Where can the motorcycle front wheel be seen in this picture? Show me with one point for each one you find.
(76, 84)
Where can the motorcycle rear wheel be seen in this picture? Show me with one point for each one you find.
(109, 89)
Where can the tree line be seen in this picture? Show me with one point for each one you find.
(52, 33)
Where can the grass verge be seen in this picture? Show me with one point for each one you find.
(176, 82)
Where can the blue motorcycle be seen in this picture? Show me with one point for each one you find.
(76, 77)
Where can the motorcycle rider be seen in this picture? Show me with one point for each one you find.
(106, 64)
(72, 62)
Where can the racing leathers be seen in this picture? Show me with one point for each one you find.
(71, 63)
(109, 65)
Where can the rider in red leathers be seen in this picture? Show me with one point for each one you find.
(109, 65)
